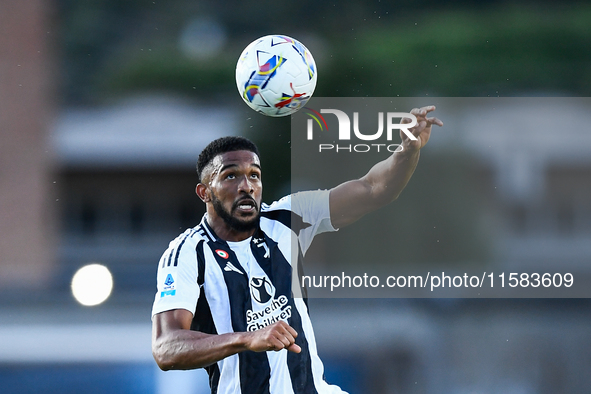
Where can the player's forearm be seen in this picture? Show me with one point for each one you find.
(388, 178)
(185, 349)
(381, 185)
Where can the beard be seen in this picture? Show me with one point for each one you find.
(232, 221)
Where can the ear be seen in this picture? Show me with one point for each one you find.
(202, 192)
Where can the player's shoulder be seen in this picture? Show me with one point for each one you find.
(181, 248)
(310, 199)
(281, 204)
(190, 236)
(299, 198)
(297, 203)
(276, 215)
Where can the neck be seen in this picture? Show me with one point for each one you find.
(224, 231)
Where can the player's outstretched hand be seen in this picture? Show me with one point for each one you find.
(276, 336)
(422, 131)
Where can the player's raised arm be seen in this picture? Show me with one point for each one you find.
(175, 346)
(385, 181)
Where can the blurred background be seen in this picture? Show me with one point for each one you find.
(104, 107)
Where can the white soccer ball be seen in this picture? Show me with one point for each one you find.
(276, 75)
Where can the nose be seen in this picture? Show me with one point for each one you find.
(245, 185)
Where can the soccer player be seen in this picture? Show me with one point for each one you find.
(225, 299)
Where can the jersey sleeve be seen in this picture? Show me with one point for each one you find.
(314, 210)
(177, 286)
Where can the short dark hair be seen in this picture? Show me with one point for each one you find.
(223, 145)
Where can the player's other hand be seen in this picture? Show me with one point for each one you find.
(276, 336)
(422, 131)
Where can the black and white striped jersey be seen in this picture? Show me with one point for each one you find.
(247, 285)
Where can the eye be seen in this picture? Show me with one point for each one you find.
(255, 176)
(231, 176)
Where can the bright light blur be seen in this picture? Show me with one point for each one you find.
(92, 284)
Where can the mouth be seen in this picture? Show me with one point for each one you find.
(246, 205)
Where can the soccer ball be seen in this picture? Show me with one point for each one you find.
(276, 75)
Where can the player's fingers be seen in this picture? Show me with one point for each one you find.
(407, 120)
(292, 331)
(415, 111)
(276, 344)
(418, 112)
(420, 124)
(434, 120)
(285, 341)
(421, 113)
(294, 348)
(425, 110)
(288, 341)
(283, 333)
(419, 127)
(287, 328)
